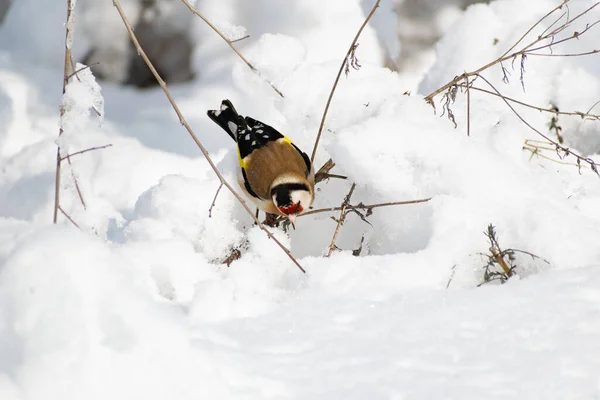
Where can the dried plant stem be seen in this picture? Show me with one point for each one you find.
(548, 110)
(230, 44)
(81, 69)
(323, 172)
(468, 89)
(85, 151)
(68, 217)
(76, 183)
(183, 122)
(66, 73)
(215, 200)
(340, 221)
(337, 78)
(368, 207)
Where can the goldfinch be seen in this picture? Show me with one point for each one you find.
(274, 173)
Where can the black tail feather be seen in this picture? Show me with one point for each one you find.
(228, 119)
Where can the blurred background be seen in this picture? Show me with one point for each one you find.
(166, 31)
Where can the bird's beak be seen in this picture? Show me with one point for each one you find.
(292, 219)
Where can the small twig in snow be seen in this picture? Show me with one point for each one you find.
(68, 217)
(340, 220)
(323, 172)
(240, 39)
(368, 207)
(85, 151)
(214, 201)
(81, 69)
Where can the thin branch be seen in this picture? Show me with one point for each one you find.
(548, 110)
(323, 172)
(183, 122)
(340, 221)
(66, 74)
(586, 53)
(215, 200)
(230, 44)
(85, 151)
(68, 217)
(337, 78)
(368, 207)
(82, 69)
(592, 107)
(468, 89)
(452, 272)
(77, 188)
(240, 39)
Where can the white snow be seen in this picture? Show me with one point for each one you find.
(136, 303)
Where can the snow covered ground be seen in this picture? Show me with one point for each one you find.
(137, 305)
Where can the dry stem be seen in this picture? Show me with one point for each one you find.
(68, 217)
(349, 54)
(230, 43)
(214, 201)
(62, 110)
(85, 151)
(183, 122)
(340, 220)
(368, 207)
(548, 110)
(323, 172)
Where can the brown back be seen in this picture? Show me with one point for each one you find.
(270, 161)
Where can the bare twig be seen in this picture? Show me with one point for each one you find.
(66, 74)
(500, 260)
(235, 254)
(349, 54)
(85, 151)
(468, 89)
(340, 220)
(183, 122)
(68, 217)
(230, 44)
(323, 172)
(548, 110)
(214, 201)
(81, 69)
(240, 39)
(368, 207)
(76, 183)
(452, 272)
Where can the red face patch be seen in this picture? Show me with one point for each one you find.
(293, 209)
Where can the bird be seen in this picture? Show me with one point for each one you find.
(274, 173)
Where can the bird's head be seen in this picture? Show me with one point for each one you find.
(292, 198)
